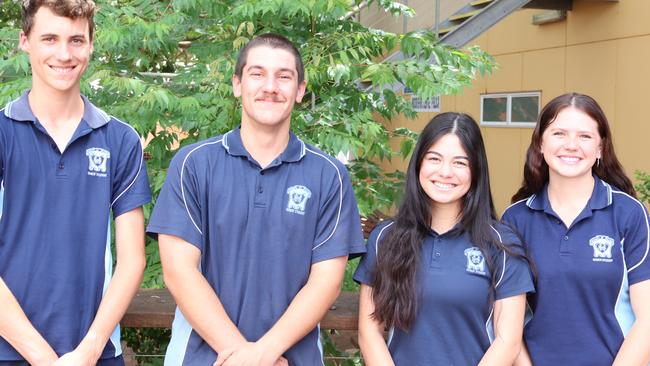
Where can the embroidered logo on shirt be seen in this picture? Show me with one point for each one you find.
(475, 261)
(298, 196)
(602, 245)
(97, 158)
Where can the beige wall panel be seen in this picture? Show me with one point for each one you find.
(516, 33)
(469, 101)
(632, 120)
(502, 146)
(509, 75)
(591, 69)
(595, 21)
(544, 70)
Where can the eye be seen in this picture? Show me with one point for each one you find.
(461, 163)
(432, 158)
(585, 137)
(78, 41)
(558, 133)
(48, 39)
(285, 77)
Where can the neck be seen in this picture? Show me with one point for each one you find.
(568, 197)
(444, 216)
(264, 144)
(56, 108)
(571, 190)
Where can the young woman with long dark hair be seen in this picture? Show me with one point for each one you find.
(445, 278)
(589, 238)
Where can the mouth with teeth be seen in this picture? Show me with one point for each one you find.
(570, 159)
(444, 186)
(63, 69)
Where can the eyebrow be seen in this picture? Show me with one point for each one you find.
(49, 35)
(579, 131)
(455, 157)
(284, 69)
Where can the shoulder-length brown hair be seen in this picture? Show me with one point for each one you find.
(536, 170)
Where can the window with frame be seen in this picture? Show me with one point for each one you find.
(510, 109)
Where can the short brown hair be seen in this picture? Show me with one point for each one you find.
(73, 9)
(271, 40)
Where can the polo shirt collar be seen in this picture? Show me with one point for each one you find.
(601, 197)
(233, 144)
(19, 110)
(453, 232)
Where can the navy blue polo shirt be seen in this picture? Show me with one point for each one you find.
(258, 230)
(453, 323)
(55, 240)
(582, 306)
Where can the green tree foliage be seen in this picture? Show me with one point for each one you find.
(643, 186)
(166, 66)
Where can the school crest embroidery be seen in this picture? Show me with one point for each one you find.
(298, 196)
(97, 158)
(475, 261)
(602, 245)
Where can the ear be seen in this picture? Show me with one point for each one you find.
(23, 42)
(302, 87)
(236, 86)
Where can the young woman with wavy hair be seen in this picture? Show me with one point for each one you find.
(445, 278)
(589, 238)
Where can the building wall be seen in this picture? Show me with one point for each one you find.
(602, 49)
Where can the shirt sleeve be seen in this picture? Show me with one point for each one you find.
(636, 244)
(130, 185)
(514, 277)
(365, 271)
(178, 210)
(338, 228)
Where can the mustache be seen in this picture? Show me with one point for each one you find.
(270, 97)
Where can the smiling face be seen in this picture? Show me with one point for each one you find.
(445, 174)
(59, 49)
(571, 144)
(268, 88)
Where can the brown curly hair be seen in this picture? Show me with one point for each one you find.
(73, 9)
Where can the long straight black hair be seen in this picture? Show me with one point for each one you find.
(394, 287)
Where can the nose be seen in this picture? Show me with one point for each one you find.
(270, 84)
(445, 169)
(571, 143)
(63, 52)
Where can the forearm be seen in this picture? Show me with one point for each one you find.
(374, 349)
(508, 330)
(121, 290)
(202, 308)
(19, 332)
(523, 358)
(634, 350)
(307, 308)
(501, 352)
(371, 333)
(303, 314)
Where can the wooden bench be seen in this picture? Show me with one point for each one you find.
(154, 308)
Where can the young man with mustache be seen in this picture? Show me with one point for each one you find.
(255, 227)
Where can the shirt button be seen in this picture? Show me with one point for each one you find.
(61, 165)
(259, 189)
(566, 237)
(437, 254)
